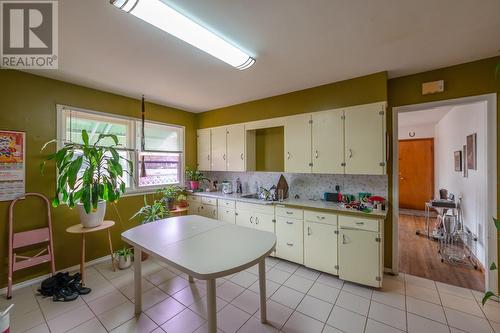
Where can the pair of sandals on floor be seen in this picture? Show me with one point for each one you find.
(63, 287)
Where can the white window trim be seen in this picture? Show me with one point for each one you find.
(60, 126)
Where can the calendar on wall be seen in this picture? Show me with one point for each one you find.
(12, 164)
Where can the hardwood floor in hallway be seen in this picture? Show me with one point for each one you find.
(418, 256)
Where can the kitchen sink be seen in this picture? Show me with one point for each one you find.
(251, 196)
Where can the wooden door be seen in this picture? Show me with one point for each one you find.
(298, 143)
(204, 149)
(219, 149)
(416, 172)
(328, 142)
(365, 140)
(235, 142)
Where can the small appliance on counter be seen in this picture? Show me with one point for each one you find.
(227, 187)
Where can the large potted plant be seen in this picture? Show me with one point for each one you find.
(88, 176)
(194, 177)
(169, 195)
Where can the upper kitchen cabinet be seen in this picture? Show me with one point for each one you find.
(298, 143)
(204, 153)
(235, 144)
(365, 138)
(219, 155)
(328, 142)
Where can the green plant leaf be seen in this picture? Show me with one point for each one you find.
(73, 170)
(497, 223)
(55, 201)
(487, 296)
(493, 266)
(85, 137)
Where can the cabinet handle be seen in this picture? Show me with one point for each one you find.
(289, 244)
(320, 217)
(241, 155)
(343, 239)
(208, 157)
(256, 220)
(317, 154)
(309, 231)
(199, 209)
(360, 223)
(288, 222)
(350, 153)
(251, 219)
(224, 157)
(289, 213)
(288, 155)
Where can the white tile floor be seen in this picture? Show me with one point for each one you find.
(300, 300)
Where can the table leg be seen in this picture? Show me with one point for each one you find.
(211, 307)
(262, 287)
(138, 280)
(82, 260)
(111, 251)
(191, 280)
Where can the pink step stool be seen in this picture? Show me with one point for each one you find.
(19, 240)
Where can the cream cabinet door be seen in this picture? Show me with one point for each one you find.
(320, 247)
(244, 218)
(365, 140)
(264, 222)
(218, 149)
(227, 215)
(328, 142)
(359, 256)
(204, 153)
(298, 143)
(290, 239)
(209, 211)
(194, 208)
(235, 143)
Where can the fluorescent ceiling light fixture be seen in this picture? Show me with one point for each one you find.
(160, 15)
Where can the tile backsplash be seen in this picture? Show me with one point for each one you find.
(307, 186)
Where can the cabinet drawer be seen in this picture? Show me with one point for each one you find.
(194, 198)
(351, 222)
(227, 203)
(310, 215)
(264, 209)
(209, 201)
(289, 212)
(290, 239)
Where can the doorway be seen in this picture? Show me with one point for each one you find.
(426, 160)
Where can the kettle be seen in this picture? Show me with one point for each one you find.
(227, 187)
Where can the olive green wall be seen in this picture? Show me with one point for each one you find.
(28, 103)
(269, 149)
(469, 79)
(361, 90)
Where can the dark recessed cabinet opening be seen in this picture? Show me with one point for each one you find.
(265, 149)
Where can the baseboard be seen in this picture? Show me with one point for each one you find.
(389, 271)
(39, 279)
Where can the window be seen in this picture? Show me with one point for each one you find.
(164, 144)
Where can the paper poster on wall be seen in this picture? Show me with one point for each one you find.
(12, 164)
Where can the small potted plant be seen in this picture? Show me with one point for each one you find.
(182, 199)
(124, 258)
(169, 195)
(194, 177)
(88, 176)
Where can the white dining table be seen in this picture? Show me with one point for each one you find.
(203, 248)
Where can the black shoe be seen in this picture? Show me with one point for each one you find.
(64, 295)
(75, 285)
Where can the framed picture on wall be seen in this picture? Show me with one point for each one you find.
(471, 152)
(458, 160)
(12, 164)
(464, 153)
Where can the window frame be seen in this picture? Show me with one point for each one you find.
(134, 189)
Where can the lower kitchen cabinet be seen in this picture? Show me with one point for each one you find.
(360, 250)
(227, 215)
(244, 218)
(320, 247)
(194, 208)
(264, 222)
(290, 239)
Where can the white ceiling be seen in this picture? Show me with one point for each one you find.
(424, 117)
(297, 44)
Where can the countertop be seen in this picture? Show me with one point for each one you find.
(290, 202)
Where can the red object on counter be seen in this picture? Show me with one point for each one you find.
(376, 198)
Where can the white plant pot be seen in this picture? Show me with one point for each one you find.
(92, 219)
(124, 262)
